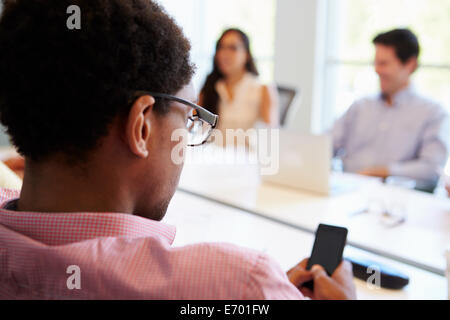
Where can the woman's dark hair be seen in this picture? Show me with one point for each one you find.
(210, 97)
(61, 89)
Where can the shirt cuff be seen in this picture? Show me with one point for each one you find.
(397, 169)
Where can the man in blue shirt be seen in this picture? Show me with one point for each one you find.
(398, 132)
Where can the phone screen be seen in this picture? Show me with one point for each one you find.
(328, 248)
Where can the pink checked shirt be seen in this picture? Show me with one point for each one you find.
(121, 256)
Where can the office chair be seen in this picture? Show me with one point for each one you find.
(287, 98)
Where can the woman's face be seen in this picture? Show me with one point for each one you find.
(231, 54)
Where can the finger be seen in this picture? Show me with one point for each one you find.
(344, 272)
(318, 270)
(299, 277)
(345, 267)
(292, 270)
(319, 274)
(303, 263)
(307, 292)
(300, 266)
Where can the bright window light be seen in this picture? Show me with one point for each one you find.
(447, 168)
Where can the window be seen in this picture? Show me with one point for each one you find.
(204, 21)
(352, 24)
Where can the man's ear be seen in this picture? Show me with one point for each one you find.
(412, 64)
(139, 125)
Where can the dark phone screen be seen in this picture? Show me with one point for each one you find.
(328, 248)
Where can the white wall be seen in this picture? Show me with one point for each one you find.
(299, 56)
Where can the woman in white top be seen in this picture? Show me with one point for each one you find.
(233, 90)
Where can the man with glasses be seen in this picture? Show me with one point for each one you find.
(93, 112)
(200, 122)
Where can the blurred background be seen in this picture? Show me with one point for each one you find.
(323, 48)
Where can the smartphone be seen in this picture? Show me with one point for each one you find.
(328, 249)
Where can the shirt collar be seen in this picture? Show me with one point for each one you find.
(65, 228)
(402, 95)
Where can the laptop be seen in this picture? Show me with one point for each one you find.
(305, 164)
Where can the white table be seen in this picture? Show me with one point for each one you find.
(199, 220)
(420, 242)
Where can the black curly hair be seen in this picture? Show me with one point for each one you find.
(61, 89)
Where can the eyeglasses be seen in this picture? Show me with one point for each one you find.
(200, 123)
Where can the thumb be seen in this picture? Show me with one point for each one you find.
(298, 276)
(319, 273)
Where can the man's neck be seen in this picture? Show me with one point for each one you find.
(57, 188)
(389, 97)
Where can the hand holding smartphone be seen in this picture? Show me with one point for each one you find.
(328, 249)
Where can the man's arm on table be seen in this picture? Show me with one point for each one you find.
(432, 155)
